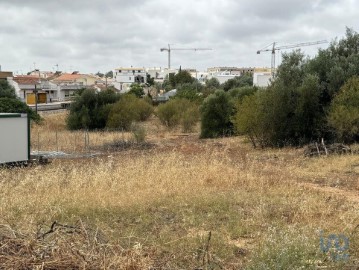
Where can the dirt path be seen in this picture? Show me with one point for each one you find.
(349, 195)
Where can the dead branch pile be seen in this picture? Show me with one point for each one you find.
(320, 149)
(67, 247)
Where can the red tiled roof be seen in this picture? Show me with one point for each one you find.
(68, 77)
(26, 79)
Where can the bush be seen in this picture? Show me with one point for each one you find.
(216, 112)
(344, 111)
(11, 105)
(145, 109)
(238, 81)
(6, 90)
(213, 83)
(169, 113)
(127, 110)
(90, 110)
(179, 111)
(288, 112)
(137, 90)
(241, 92)
(139, 133)
(247, 119)
(190, 118)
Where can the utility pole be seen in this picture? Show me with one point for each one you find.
(36, 90)
(169, 49)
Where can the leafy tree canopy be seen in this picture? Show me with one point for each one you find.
(13, 105)
(238, 81)
(344, 111)
(136, 89)
(90, 110)
(9, 103)
(6, 90)
(216, 112)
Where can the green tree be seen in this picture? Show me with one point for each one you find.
(240, 92)
(9, 103)
(344, 111)
(13, 105)
(90, 110)
(238, 81)
(183, 77)
(179, 111)
(6, 90)
(248, 119)
(169, 113)
(150, 80)
(101, 75)
(308, 116)
(216, 112)
(293, 109)
(136, 89)
(127, 110)
(335, 65)
(213, 83)
(190, 91)
(109, 74)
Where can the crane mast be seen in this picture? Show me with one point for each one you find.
(291, 46)
(169, 49)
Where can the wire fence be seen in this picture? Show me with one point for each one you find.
(79, 143)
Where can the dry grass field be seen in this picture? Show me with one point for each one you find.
(178, 203)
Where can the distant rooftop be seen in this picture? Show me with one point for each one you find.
(131, 68)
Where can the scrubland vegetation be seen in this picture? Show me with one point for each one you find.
(185, 203)
(184, 185)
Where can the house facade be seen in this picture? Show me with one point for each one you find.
(124, 77)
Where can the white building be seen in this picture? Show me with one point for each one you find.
(124, 77)
(222, 77)
(262, 77)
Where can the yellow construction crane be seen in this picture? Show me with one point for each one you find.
(291, 46)
(169, 49)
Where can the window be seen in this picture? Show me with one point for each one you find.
(129, 78)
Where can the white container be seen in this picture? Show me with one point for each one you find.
(14, 138)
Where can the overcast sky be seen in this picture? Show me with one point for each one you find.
(95, 35)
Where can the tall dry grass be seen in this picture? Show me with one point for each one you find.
(184, 204)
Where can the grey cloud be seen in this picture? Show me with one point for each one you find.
(97, 35)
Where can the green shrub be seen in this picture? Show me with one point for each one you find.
(190, 117)
(138, 133)
(145, 109)
(90, 110)
(238, 81)
(241, 92)
(127, 110)
(216, 112)
(169, 113)
(137, 90)
(11, 105)
(344, 111)
(6, 90)
(247, 119)
(179, 111)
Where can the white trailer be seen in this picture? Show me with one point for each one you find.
(14, 138)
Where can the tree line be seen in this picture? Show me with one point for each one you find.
(309, 99)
